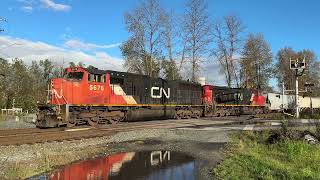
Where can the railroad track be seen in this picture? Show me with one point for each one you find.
(8, 132)
(35, 135)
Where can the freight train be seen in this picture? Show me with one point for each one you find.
(92, 96)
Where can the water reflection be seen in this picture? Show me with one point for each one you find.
(160, 165)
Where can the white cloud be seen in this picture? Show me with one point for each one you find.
(50, 4)
(31, 50)
(27, 9)
(27, 1)
(36, 50)
(210, 69)
(80, 45)
(27, 5)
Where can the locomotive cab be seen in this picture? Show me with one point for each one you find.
(66, 90)
(78, 86)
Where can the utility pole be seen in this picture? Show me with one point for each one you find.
(298, 66)
(297, 97)
(283, 96)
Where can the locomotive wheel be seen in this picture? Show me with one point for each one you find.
(177, 116)
(71, 123)
(92, 122)
(116, 119)
(187, 116)
(197, 116)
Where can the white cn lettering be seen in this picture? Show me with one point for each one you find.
(160, 91)
(157, 157)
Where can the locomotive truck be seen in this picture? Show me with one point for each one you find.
(94, 97)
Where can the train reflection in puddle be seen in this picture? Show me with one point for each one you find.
(130, 165)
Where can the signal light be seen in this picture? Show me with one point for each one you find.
(295, 64)
(302, 64)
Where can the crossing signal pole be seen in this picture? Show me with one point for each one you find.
(298, 66)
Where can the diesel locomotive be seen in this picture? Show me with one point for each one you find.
(94, 97)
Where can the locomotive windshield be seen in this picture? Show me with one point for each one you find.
(74, 76)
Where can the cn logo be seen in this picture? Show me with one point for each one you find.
(157, 157)
(56, 94)
(156, 92)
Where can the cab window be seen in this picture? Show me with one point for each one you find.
(74, 76)
(96, 78)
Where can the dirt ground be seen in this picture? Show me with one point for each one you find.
(28, 160)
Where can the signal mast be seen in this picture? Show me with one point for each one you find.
(298, 66)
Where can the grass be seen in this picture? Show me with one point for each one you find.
(250, 157)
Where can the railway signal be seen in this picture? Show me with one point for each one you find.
(298, 66)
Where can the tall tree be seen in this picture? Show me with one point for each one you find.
(142, 51)
(4, 86)
(196, 33)
(256, 62)
(228, 37)
(287, 76)
(169, 66)
(39, 86)
(21, 85)
(73, 64)
(47, 69)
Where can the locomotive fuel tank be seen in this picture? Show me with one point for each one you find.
(154, 113)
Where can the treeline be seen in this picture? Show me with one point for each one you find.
(162, 42)
(24, 85)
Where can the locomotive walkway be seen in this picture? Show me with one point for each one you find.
(31, 136)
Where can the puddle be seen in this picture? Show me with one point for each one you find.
(160, 165)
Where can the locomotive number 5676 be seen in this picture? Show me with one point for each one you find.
(96, 87)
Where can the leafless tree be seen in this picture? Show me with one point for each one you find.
(228, 38)
(256, 62)
(142, 50)
(169, 65)
(196, 33)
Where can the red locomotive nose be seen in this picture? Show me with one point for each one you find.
(57, 91)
